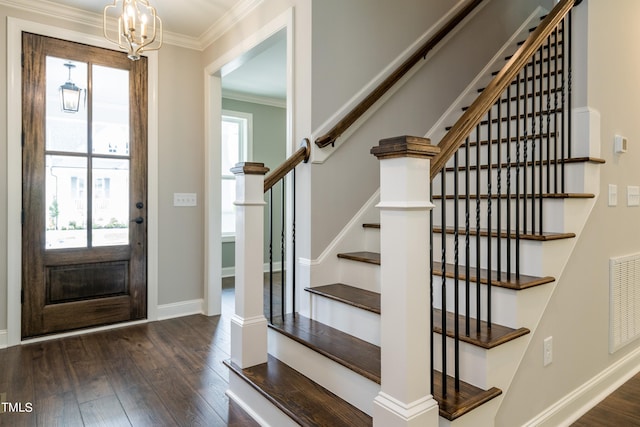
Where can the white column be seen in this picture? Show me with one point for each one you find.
(248, 324)
(405, 208)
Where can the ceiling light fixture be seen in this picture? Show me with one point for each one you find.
(139, 27)
(70, 93)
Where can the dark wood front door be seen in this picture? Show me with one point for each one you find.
(84, 174)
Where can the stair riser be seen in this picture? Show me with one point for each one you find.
(504, 302)
(352, 320)
(372, 239)
(531, 264)
(359, 274)
(552, 211)
(513, 179)
(481, 367)
(345, 383)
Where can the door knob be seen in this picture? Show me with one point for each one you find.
(138, 220)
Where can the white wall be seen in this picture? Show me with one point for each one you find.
(577, 315)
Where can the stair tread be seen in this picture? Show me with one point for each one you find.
(544, 237)
(528, 195)
(362, 256)
(362, 356)
(303, 400)
(505, 165)
(502, 281)
(487, 337)
(351, 295)
(358, 355)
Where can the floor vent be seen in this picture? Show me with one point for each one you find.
(624, 301)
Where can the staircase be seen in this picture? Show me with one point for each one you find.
(508, 207)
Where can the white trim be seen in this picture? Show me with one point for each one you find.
(15, 27)
(3, 338)
(85, 17)
(231, 271)
(213, 111)
(321, 155)
(575, 404)
(180, 309)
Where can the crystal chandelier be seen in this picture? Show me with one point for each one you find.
(139, 27)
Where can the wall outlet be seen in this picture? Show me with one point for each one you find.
(547, 348)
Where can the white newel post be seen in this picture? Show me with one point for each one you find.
(405, 208)
(248, 324)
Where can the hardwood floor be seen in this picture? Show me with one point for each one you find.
(167, 373)
(621, 408)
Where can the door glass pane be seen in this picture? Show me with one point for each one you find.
(66, 202)
(110, 202)
(66, 130)
(228, 208)
(110, 96)
(231, 134)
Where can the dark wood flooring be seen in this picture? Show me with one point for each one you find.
(621, 408)
(167, 373)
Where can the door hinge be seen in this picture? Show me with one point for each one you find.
(22, 139)
(22, 217)
(21, 296)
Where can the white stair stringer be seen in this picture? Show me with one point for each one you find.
(340, 380)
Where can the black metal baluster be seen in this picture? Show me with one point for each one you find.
(499, 190)
(283, 275)
(293, 244)
(549, 111)
(431, 286)
(443, 296)
(568, 35)
(271, 254)
(467, 281)
(489, 229)
(478, 246)
(456, 279)
(565, 71)
(556, 112)
(533, 143)
(517, 199)
(541, 133)
(525, 159)
(508, 198)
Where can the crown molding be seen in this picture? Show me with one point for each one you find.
(254, 99)
(227, 21)
(72, 14)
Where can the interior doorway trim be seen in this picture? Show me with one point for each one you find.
(213, 112)
(15, 27)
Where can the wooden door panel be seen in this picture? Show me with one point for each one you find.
(104, 311)
(89, 283)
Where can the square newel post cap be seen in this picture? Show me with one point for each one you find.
(405, 146)
(249, 168)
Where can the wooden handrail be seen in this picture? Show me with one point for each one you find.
(302, 155)
(474, 114)
(351, 117)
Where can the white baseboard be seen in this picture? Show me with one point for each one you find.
(231, 271)
(180, 309)
(3, 338)
(575, 404)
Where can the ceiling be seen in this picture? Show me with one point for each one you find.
(195, 24)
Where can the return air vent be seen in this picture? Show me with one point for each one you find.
(624, 301)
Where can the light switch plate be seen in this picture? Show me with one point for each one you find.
(633, 195)
(185, 199)
(613, 195)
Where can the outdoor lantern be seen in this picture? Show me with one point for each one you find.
(70, 93)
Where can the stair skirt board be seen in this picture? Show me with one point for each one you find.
(345, 383)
